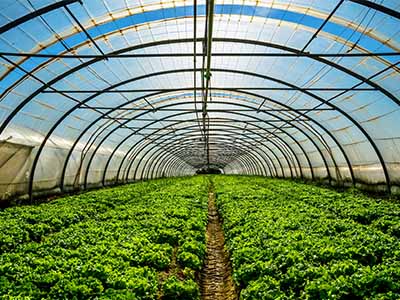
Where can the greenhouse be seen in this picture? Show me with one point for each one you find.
(200, 149)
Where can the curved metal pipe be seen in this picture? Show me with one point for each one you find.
(183, 143)
(250, 168)
(189, 139)
(231, 113)
(182, 103)
(143, 148)
(349, 72)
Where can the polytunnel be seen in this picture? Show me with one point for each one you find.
(97, 93)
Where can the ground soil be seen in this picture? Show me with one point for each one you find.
(216, 279)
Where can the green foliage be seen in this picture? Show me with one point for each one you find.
(174, 289)
(294, 241)
(287, 240)
(189, 260)
(109, 244)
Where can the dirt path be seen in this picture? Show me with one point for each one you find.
(217, 282)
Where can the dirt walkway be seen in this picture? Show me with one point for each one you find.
(217, 282)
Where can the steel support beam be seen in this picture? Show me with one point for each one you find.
(386, 175)
(180, 54)
(231, 130)
(182, 143)
(221, 161)
(178, 151)
(288, 155)
(374, 147)
(305, 134)
(36, 13)
(378, 7)
(294, 140)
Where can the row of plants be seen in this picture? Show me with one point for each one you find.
(290, 240)
(142, 241)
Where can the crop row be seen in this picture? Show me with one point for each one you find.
(294, 241)
(142, 241)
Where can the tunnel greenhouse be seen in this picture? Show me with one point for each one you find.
(200, 149)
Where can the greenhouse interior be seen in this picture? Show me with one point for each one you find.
(200, 149)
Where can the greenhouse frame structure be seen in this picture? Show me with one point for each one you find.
(94, 94)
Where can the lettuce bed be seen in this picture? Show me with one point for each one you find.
(142, 241)
(294, 241)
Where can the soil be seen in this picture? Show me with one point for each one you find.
(216, 279)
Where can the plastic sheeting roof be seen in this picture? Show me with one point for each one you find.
(298, 88)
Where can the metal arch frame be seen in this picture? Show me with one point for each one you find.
(240, 161)
(141, 77)
(188, 136)
(231, 127)
(154, 167)
(249, 158)
(284, 143)
(283, 147)
(158, 162)
(169, 156)
(237, 127)
(376, 7)
(232, 40)
(167, 168)
(36, 13)
(144, 146)
(228, 40)
(300, 131)
(176, 163)
(150, 165)
(359, 126)
(318, 98)
(249, 116)
(314, 133)
(132, 101)
(117, 108)
(317, 148)
(174, 147)
(236, 113)
(176, 160)
(292, 153)
(260, 120)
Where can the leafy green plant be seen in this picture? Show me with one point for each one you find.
(108, 244)
(290, 240)
(189, 260)
(174, 288)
